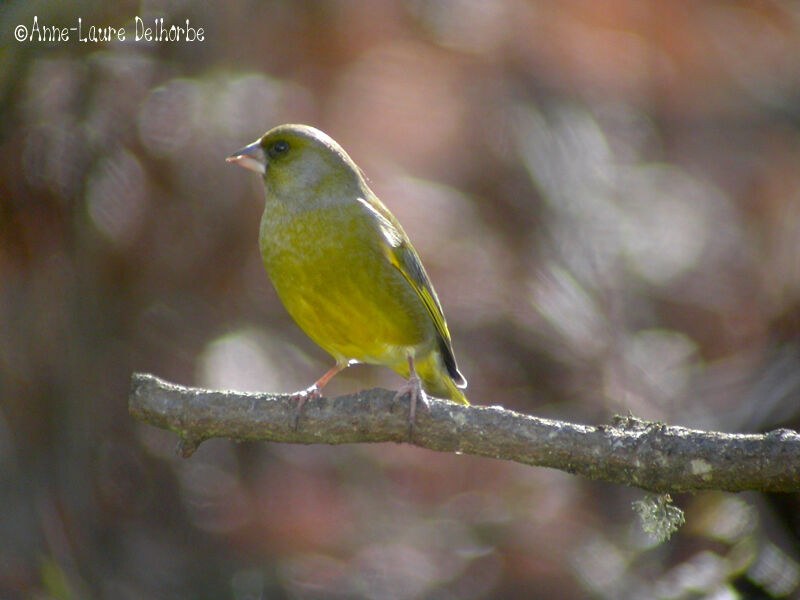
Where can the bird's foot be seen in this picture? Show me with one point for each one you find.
(301, 397)
(413, 387)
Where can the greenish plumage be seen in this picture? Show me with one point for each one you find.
(343, 266)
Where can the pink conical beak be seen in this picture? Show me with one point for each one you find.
(250, 157)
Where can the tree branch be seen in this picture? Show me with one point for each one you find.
(651, 456)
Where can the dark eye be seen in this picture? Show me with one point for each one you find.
(278, 148)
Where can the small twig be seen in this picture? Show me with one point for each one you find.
(650, 456)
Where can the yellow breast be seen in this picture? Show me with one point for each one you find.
(330, 274)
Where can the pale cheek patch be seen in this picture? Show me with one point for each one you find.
(307, 173)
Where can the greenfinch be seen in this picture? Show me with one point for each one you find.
(344, 268)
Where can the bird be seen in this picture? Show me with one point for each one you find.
(344, 268)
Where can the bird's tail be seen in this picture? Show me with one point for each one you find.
(436, 379)
(455, 394)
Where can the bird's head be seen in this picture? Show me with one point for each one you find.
(296, 160)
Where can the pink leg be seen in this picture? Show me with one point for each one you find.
(413, 387)
(314, 391)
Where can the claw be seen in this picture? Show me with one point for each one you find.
(413, 387)
(313, 391)
(301, 397)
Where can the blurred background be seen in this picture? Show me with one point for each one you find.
(606, 196)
